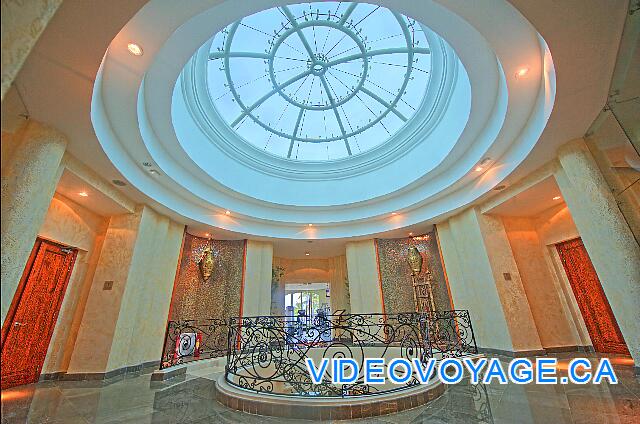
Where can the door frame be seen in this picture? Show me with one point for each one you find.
(17, 296)
(576, 314)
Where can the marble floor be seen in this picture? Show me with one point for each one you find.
(134, 399)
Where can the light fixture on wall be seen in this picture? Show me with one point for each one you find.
(135, 49)
(482, 165)
(522, 72)
(83, 194)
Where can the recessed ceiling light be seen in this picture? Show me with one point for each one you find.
(310, 225)
(227, 212)
(307, 253)
(207, 234)
(410, 234)
(394, 213)
(557, 198)
(522, 72)
(135, 49)
(479, 169)
(83, 194)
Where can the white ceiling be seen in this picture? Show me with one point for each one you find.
(532, 201)
(57, 81)
(96, 201)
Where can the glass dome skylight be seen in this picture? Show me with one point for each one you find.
(319, 81)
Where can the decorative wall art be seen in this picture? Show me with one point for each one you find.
(398, 260)
(196, 296)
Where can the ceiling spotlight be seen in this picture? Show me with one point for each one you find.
(83, 194)
(207, 234)
(522, 72)
(227, 212)
(135, 49)
(557, 198)
(410, 234)
(394, 213)
(307, 253)
(310, 225)
(479, 169)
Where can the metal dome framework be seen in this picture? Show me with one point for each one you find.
(337, 88)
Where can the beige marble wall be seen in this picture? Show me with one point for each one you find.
(554, 325)
(141, 324)
(124, 326)
(22, 23)
(364, 282)
(607, 237)
(95, 336)
(339, 284)
(257, 279)
(524, 334)
(613, 154)
(471, 279)
(29, 178)
(69, 223)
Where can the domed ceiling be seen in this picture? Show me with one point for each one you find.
(319, 81)
(264, 117)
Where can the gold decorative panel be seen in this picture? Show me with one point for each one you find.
(218, 295)
(395, 272)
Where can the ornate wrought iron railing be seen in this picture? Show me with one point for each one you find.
(192, 340)
(267, 353)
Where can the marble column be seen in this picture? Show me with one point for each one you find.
(22, 25)
(338, 285)
(364, 280)
(30, 175)
(256, 294)
(484, 278)
(606, 236)
(128, 303)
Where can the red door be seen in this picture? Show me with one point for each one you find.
(594, 306)
(29, 324)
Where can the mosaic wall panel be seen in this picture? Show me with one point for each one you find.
(395, 273)
(193, 298)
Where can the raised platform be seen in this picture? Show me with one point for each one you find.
(324, 408)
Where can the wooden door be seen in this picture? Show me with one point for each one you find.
(28, 327)
(594, 306)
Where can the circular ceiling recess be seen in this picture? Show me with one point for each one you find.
(362, 119)
(319, 81)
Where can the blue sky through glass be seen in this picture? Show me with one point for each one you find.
(319, 81)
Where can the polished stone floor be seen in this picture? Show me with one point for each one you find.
(134, 399)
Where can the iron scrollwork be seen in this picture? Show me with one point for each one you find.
(267, 353)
